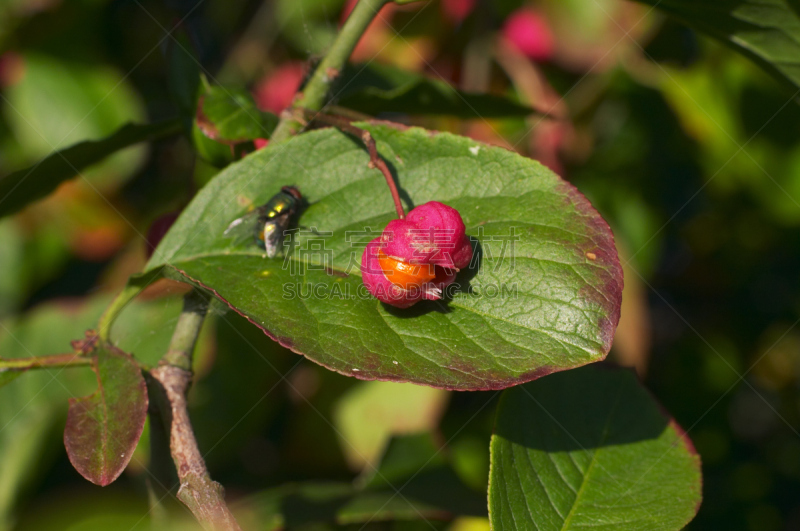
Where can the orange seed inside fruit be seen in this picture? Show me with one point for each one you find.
(404, 274)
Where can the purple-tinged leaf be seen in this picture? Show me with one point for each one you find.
(103, 429)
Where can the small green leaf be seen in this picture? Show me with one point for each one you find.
(15, 266)
(542, 295)
(210, 151)
(230, 116)
(103, 429)
(387, 89)
(183, 73)
(413, 482)
(766, 31)
(590, 449)
(8, 376)
(368, 414)
(25, 186)
(226, 120)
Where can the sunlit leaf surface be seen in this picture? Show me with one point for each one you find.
(542, 293)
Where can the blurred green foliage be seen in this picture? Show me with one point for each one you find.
(690, 151)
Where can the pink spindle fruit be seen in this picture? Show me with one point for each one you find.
(276, 91)
(418, 257)
(529, 33)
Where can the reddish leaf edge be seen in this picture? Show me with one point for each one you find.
(683, 436)
(107, 478)
(603, 252)
(208, 128)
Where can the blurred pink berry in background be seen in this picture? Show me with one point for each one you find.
(158, 229)
(12, 68)
(529, 32)
(346, 10)
(277, 89)
(457, 10)
(547, 140)
(260, 143)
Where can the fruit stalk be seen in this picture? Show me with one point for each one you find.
(375, 160)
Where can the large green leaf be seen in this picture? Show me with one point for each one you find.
(25, 186)
(767, 31)
(590, 449)
(413, 481)
(374, 89)
(58, 103)
(543, 294)
(103, 429)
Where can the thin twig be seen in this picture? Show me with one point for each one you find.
(170, 380)
(350, 114)
(163, 471)
(375, 160)
(59, 360)
(169, 383)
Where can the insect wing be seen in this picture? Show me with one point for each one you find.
(242, 229)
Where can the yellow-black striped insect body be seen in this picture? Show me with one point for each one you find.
(268, 223)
